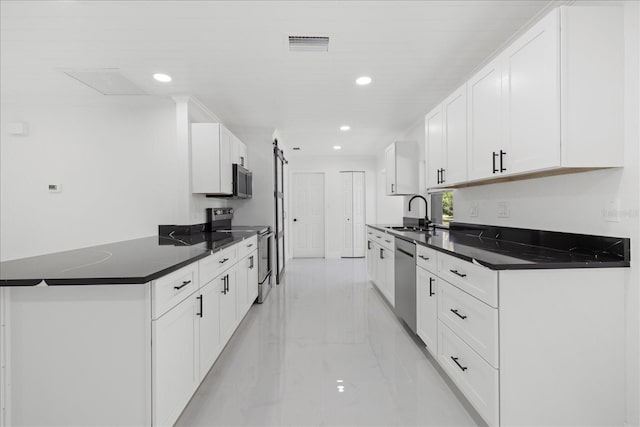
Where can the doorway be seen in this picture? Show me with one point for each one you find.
(307, 214)
(353, 214)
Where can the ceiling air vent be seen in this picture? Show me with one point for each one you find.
(308, 44)
(107, 81)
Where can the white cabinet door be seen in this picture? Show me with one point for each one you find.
(226, 159)
(532, 98)
(381, 268)
(389, 276)
(242, 278)
(210, 345)
(427, 308)
(252, 280)
(485, 124)
(454, 110)
(390, 169)
(371, 260)
(175, 365)
(239, 153)
(434, 139)
(227, 286)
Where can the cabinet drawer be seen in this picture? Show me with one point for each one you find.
(247, 246)
(386, 240)
(476, 280)
(216, 263)
(475, 377)
(426, 258)
(471, 319)
(169, 290)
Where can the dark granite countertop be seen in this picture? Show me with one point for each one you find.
(505, 248)
(129, 262)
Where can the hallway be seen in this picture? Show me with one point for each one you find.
(324, 349)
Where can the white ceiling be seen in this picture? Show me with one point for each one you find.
(233, 56)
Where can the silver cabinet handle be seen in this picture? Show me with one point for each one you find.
(222, 261)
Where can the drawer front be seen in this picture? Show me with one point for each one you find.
(216, 263)
(476, 280)
(475, 377)
(247, 246)
(426, 258)
(471, 319)
(169, 290)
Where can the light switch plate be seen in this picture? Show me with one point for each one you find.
(503, 209)
(474, 210)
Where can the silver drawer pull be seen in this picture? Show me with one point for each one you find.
(185, 283)
(457, 273)
(455, 311)
(426, 258)
(388, 241)
(250, 245)
(222, 261)
(455, 359)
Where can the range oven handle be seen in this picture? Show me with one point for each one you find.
(267, 235)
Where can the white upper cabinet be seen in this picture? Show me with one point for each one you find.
(531, 80)
(484, 92)
(434, 140)
(211, 158)
(454, 111)
(240, 153)
(552, 101)
(401, 165)
(446, 141)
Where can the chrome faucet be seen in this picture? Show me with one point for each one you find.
(427, 221)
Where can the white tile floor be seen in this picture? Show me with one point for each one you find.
(324, 349)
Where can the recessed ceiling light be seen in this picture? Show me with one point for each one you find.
(337, 147)
(164, 78)
(364, 80)
(345, 128)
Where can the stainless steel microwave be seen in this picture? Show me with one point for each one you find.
(242, 182)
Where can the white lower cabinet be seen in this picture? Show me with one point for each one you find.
(381, 262)
(175, 361)
(228, 287)
(526, 347)
(474, 376)
(427, 308)
(210, 342)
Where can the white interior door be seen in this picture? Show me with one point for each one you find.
(353, 210)
(307, 215)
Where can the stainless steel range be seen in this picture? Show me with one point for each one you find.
(220, 221)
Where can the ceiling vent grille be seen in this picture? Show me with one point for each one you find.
(107, 81)
(308, 44)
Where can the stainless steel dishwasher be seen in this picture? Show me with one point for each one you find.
(405, 282)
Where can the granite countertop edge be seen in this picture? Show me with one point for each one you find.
(124, 280)
(511, 266)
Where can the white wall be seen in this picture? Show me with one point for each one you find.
(331, 167)
(113, 156)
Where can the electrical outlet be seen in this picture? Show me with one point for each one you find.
(474, 210)
(611, 211)
(503, 209)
